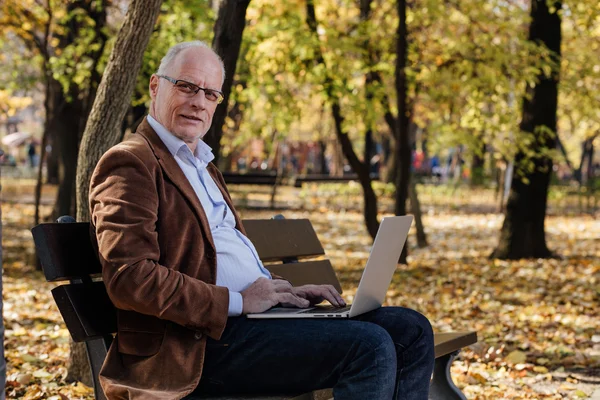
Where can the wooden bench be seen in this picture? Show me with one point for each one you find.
(285, 246)
(251, 178)
(266, 178)
(300, 179)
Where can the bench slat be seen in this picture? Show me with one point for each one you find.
(277, 239)
(86, 309)
(304, 273)
(448, 342)
(66, 251)
(252, 178)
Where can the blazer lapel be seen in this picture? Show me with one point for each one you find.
(175, 174)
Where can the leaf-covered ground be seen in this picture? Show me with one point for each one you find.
(537, 320)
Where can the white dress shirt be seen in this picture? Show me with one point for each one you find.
(238, 263)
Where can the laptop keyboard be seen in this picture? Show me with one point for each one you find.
(327, 309)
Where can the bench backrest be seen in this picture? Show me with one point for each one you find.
(67, 253)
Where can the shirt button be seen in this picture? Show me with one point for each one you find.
(198, 336)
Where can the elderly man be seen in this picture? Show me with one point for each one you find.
(182, 274)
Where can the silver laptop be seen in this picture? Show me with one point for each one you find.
(374, 282)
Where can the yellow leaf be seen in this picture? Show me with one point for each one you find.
(542, 361)
(516, 357)
(566, 386)
(81, 389)
(41, 373)
(480, 378)
(29, 358)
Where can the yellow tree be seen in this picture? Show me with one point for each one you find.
(10, 105)
(66, 40)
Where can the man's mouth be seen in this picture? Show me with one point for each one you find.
(191, 117)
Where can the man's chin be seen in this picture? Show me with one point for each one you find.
(190, 137)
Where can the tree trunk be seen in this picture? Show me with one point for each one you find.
(78, 368)
(402, 150)
(562, 149)
(38, 184)
(135, 118)
(361, 169)
(52, 168)
(415, 207)
(587, 153)
(228, 30)
(522, 234)
(589, 175)
(324, 168)
(388, 159)
(478, 166)
(65, 130)
(2, 359)
(103, 129)
(44, 156)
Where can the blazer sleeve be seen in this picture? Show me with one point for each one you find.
(124, 208)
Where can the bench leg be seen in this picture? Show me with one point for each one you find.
(96, 351)
(442, 386)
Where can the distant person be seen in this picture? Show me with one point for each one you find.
(32, 154)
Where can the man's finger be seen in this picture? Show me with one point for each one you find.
(330, 297)
(289, 298)
(337, 295)
(282, 286)
(330, 294)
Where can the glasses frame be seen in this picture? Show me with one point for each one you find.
(174, 81)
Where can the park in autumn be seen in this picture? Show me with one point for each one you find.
(480, 119)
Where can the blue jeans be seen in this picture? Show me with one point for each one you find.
(386, 354)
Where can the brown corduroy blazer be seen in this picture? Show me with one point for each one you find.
(159, 267)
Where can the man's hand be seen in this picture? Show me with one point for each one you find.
(265, 293)
(317, 293)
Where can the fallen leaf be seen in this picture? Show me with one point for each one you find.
(516, 357)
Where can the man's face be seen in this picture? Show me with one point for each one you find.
(187, 116)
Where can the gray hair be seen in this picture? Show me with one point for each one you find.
(178, 48)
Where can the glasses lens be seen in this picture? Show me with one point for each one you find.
(186, 87)
(211, 95)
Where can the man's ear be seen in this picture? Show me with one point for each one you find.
(153, 86)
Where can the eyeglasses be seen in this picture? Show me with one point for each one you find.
(190, 89)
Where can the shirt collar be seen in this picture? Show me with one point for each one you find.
(175, 145)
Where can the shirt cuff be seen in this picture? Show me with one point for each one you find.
(236, 304)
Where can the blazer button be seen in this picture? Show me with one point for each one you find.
(197, 336)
